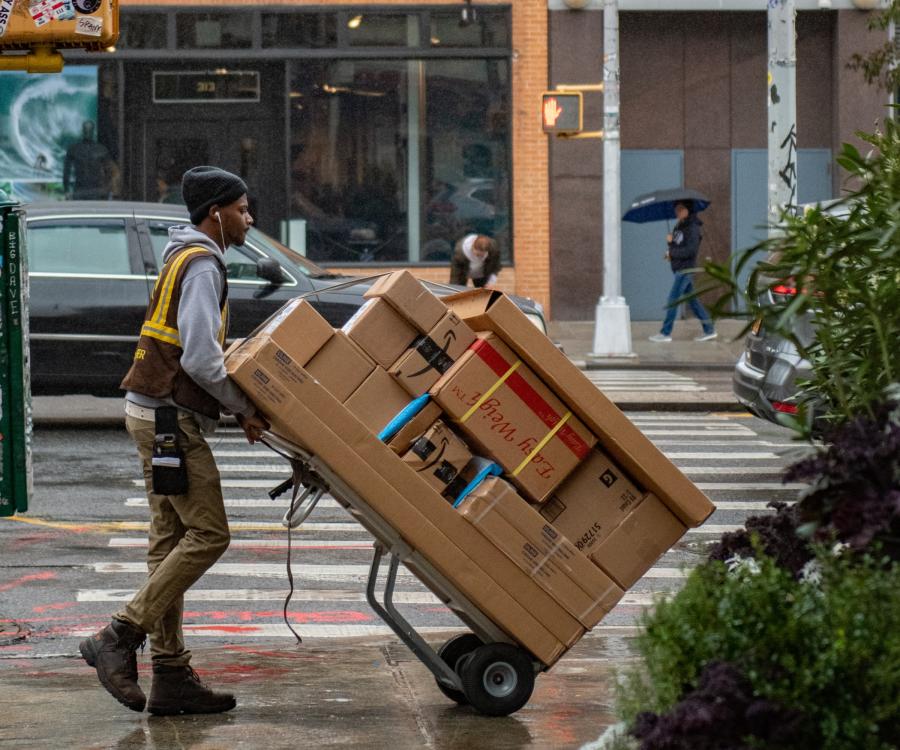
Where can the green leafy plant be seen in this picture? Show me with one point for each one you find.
(840, 267)
(824, 649)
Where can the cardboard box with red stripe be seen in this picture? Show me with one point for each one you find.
(505, 409)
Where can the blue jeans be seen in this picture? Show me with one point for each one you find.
(683, 284)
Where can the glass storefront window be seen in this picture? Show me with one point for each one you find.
(382, 30)
(348, 159)
(213, 30)
(144, 31)
(467, 164)
(309, 30)
(489, 29)
(394, 161)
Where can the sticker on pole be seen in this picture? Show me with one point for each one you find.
(5, 14)
(40, 13)
(89, 26)
(62, 10)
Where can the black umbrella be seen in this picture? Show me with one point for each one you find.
(660, 205)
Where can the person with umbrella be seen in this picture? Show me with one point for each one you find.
(684, 245)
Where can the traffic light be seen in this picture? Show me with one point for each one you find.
(561, 112)
(41, 26)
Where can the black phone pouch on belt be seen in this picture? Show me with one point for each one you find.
(169, 468)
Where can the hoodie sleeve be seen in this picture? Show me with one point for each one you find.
(199, 320)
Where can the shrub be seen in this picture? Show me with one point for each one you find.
(827, 650)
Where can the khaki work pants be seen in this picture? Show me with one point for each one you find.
(188, 533)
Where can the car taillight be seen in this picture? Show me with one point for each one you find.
(784, 407)
(784, 289)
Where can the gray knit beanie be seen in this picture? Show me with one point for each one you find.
(203, 187)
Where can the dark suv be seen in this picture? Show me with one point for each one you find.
(92, 266)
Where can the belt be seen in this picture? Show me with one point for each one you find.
(148, 415)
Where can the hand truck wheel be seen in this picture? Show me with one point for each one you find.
(454, 653)
(498, 679)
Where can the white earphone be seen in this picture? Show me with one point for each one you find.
(217, 217)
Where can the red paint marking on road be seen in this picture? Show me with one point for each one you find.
(327, 616)
(58, 605)
(42, 576)
(17, 647)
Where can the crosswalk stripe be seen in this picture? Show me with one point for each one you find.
(761, 505)
(314, 631)
(311, 572)
(699, 433)
(752, 486)
(712, 528)
(742, 455)
(740, 470)
(247, 502)
(131, 542)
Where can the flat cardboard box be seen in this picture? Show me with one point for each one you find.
(377, 401)
(438, 456)
(647, 533)
(592, 501)
(420, 515)
(530, 551)
(488, 310)
(409, 297)
(432, 354)
(412, 430)
(341, 366)
(513, 417)
(380, 331)
(297, 329)
(596, 584)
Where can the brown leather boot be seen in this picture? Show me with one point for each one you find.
(112, 653)
(178, 690)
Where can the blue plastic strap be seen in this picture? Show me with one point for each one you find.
(490, 469)
(405, 415)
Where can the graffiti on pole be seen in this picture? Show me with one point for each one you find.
(788, 172)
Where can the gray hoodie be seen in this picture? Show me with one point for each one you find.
(199, 320)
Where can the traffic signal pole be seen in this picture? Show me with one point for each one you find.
(612, 319)
(781, 100)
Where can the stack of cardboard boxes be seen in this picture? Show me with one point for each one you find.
(585, 504)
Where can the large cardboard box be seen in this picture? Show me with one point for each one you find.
(592, 501)
(297, 329)
(432, 354)
(438, 456)
(380, 331)
(551, 562)
(482, 573)
(377, 401)
(513, 417)
(488, 310)
(414, 428)
(408, 296)
(632, 548)
(341, 366)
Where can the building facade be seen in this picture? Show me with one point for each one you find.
(374, 136)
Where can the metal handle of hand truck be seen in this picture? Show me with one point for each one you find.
(302, 506)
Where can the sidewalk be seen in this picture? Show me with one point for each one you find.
(577, 339)
(370, 693)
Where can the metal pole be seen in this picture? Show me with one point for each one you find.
(612, 323)
(782, 110)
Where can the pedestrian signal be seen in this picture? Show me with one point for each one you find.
(41, 26)
(561, 112)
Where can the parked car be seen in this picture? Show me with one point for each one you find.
(92, 266)
(768, 371)
(766, 374)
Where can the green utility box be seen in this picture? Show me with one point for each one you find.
(15, 383)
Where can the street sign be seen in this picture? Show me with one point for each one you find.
(15, 386)
(561, 112)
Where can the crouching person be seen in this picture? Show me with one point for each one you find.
(175, 391)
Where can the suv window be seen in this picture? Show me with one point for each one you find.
(97, 248)
(239, 262)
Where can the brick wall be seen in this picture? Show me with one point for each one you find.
(530, 182)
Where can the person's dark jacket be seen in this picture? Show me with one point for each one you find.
(459, 267)
(685, 243)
